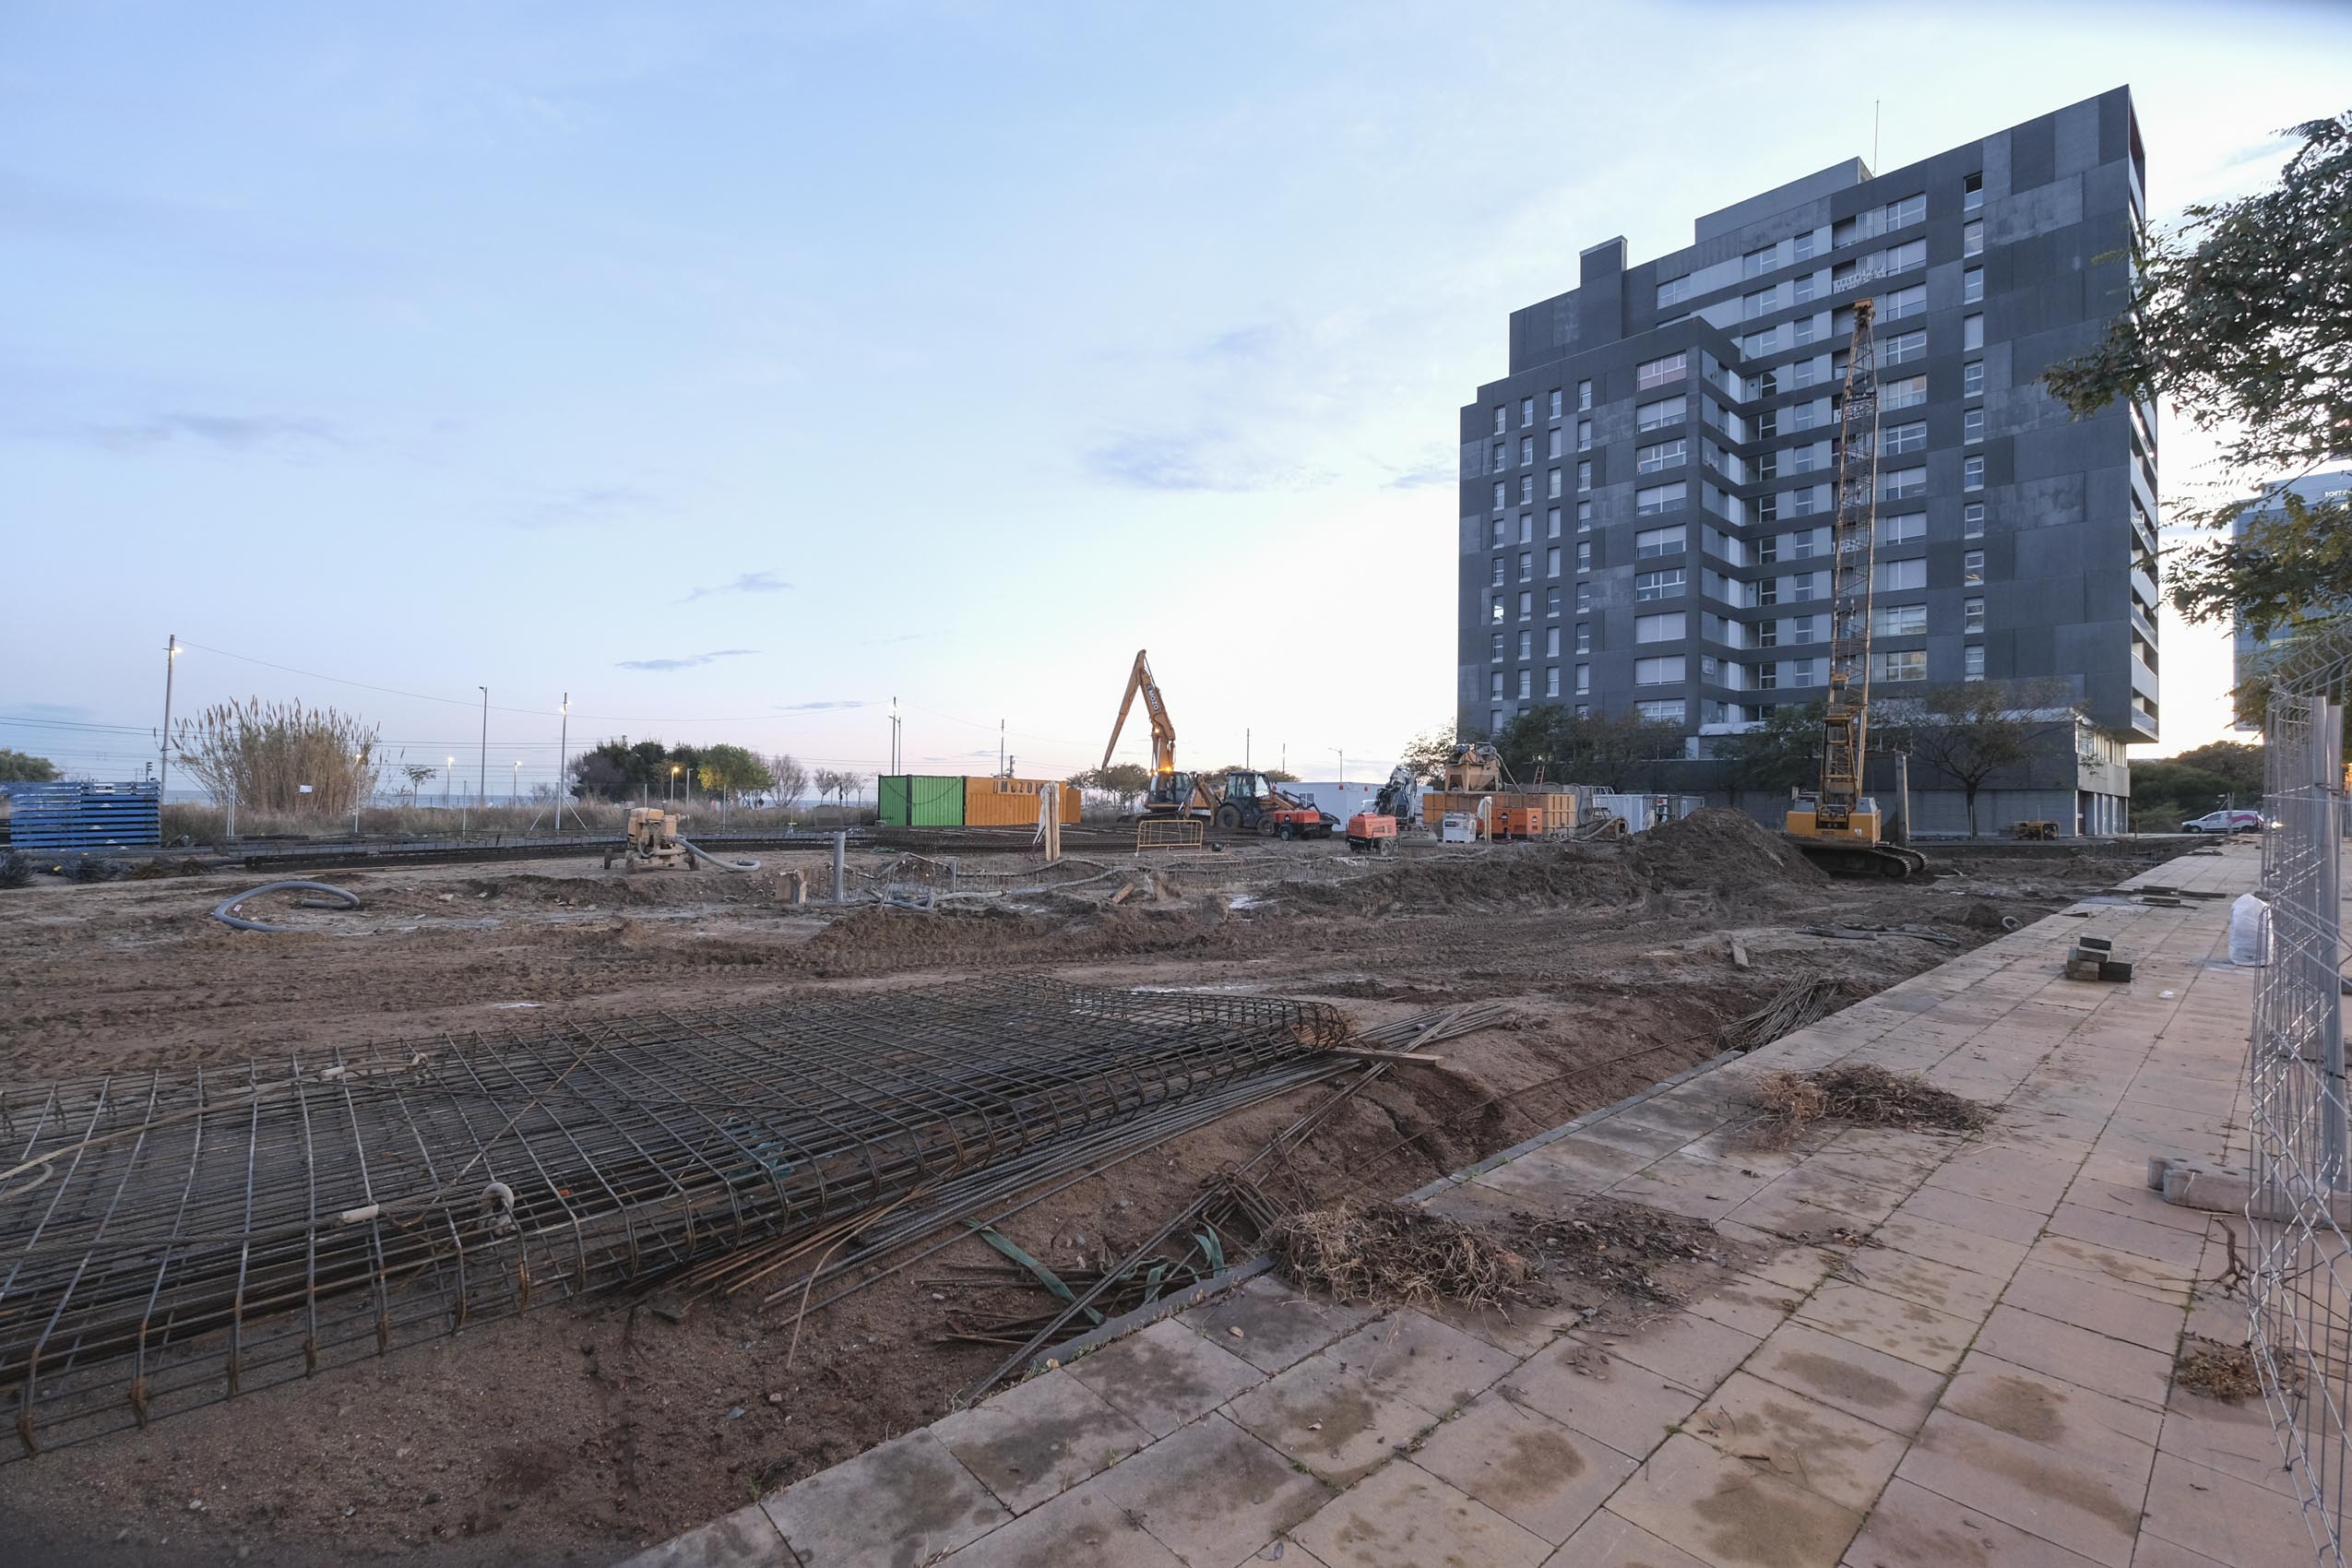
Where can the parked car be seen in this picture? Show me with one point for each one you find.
(2225, 822)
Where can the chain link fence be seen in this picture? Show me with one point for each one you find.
(2300, 1204)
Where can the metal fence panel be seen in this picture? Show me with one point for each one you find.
(84, 817)
(2302, 1329)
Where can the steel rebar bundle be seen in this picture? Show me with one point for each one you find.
(168, 1239)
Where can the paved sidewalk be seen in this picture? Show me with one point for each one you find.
(1988, 1384)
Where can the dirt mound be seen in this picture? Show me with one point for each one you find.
(1718, 848)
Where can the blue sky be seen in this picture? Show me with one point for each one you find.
(739, 368)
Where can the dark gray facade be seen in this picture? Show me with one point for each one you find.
(1645, 498)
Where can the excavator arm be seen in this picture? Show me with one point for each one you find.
(1163, 729)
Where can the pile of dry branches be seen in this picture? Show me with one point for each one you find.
(1806, 1000)
(1383, 1253)
(1861, 1097)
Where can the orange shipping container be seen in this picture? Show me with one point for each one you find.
(1011, 803)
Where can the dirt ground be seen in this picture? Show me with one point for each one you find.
(577, 1435)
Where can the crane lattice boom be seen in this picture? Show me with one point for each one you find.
(1846, 723)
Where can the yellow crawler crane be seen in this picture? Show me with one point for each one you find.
(1837, 826)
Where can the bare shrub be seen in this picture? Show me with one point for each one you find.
(261, 755)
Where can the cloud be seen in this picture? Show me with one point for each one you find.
(823, 707)
(583, 503)
(1195, 463)
(688, 662)
(749, 582)
(235, 432)
(1437, 470)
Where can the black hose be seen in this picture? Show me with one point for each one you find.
(350, 900)
(702, 854)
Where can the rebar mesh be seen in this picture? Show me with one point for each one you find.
(170, 1239)
(2301, 1328)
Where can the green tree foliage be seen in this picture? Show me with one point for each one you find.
(615, 770)
(2167, 791)
(1427, 752)
(2241, 318)
(1780, 754)
(1124, 782)
(1551, 743)
(732, 771)
(1970, 731)
(22, 768)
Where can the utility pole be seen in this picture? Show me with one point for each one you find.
(562, 758)
(481, 776)
(1002, 764)
(1245, 751)
(164, 768)
(515, 789)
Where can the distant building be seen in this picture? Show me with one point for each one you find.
(1645, 497)
(2250, 652)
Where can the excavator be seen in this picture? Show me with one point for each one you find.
(1239, 800)
(1836, 824)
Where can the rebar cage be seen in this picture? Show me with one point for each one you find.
(168, 1239)
(2301, 1330)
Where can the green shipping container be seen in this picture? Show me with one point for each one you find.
(907, 799)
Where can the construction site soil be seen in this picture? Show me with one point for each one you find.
(579, 1434)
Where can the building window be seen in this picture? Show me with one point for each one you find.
(1972, 520)
(1527, 489)
(1668, 628)
(1668, 583)
(1555, 402)
(1908, 393)
(1584, 516)
(1552, 603)
(1972, 379)
(1527, 566)
(1583, 597)
(1899, 621)
(1527, 411)
(1494, 647)
(1584, 436)
(1972, 662)
(1526, 685)
(1498, 570)
(1501, 457)
(1551, 442)
(1902, 528)
(1501, 420)
(1972, 332)
(1972, 285)
(1526, 527)
(1972, 194)
(1526, 451)
(1971, 238)
(1527, 646)
(1664, 371)
(1583, 636)
(1552, 645)
(1972, 569)
(1912, 300)
(1584, 396)
(1896, 577)
(1494, 607)
(1664, 670)
(1972, 615)
(1764, 302)
(1661, 712)
(1551, 523)
(1907, 666)
(1552, 485)
(1902, 438)
(1972, 425)
(1552, 561)
(1500, 501)
(1551, 681)
(1583, 555)
(1972, 473)
(1658, 415)
(1805, 286)
(1664, 454)
(1583, 476)
(1583, 679)
(1674, 290)
(1660, 498)
(1651, 543)
(1904, 347)
(1499, 527)
(1526, 606)
(1897, 484)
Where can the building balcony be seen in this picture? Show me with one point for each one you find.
(2144, 587)
(2143, 624)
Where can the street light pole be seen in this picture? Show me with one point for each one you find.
(481, 777)
(563, 758)
(164, 767)
(515, 789)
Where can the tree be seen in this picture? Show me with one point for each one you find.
(1615, 753)
(2167, 789)
(731, 771)
(791, 778)
(1122, 781)
(1973, 729)
(262, 756)
(23, 767)
(1426, 752)
(2241, 318)
(1780, 754)
(419, 776)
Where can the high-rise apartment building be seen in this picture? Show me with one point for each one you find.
(1646, 497)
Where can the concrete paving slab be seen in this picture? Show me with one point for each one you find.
(1912, 1527)
(1681, 1348)
(2236, 1439)
(1630, 1408)
(2234, 1522)
(745, 1539)
(1611, 1540)
(1822, 1449)
(1165, 1375)
(1911, 1277)
(2049, 1412)
(1280, 1323)
(1213, 1494)
(1732, 1512)
(1083, 1524)
(1532, 1470)
(1901, 1329)
(1327, 1416)
(2077, 1355)
(1414, 1357)
(1039, 1438)
(1881, 1389)
(1402, 1514)
(2150, 1324)
(907, 1499)
(2087, 1510)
